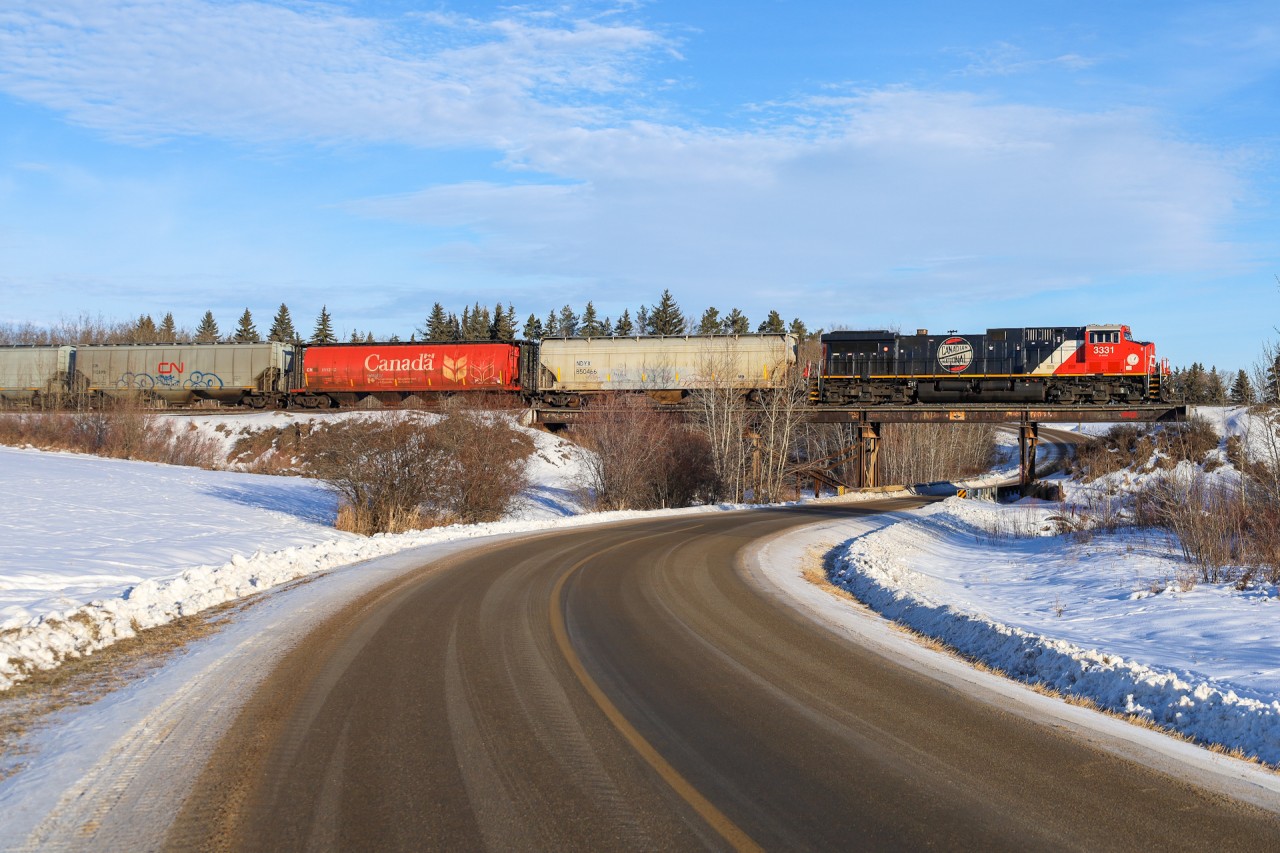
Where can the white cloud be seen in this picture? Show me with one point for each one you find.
(1004, 59)
(941, 193)
(253, 71)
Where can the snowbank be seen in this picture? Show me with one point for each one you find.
(1097, 619)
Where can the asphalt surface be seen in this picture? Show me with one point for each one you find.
(624, 687)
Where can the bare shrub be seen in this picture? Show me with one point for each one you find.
(401, 471)
(485, 461)
(384, 469)
(1188, 442)
(1210, 520)
(1131, 447)
(642, 459)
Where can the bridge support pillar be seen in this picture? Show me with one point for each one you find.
(1028, 438)
(868, 452)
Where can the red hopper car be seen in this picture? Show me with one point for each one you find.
(344, 374)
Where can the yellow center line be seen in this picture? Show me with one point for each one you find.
(712, 815)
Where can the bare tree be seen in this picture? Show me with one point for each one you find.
(778, 423)
(720, 414)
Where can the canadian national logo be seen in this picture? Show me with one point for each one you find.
(955, 355)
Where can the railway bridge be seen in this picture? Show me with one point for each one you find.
(867, 420)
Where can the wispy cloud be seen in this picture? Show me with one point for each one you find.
(1004, 59)
(254, 71)
(985, 196)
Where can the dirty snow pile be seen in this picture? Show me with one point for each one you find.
(1107, 616)
(96, 549)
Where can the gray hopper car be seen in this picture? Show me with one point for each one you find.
(249, 373)
(668, 366)
(35, 375)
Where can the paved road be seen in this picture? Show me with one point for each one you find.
(623, 687)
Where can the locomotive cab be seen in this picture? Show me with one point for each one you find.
(1111, 350)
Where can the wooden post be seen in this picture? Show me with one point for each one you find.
(1029, 437)
(872, 436)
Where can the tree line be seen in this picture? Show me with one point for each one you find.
(475, 323)
(1199, 387)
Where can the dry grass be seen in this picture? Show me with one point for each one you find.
(124, 430)
(1130, 447)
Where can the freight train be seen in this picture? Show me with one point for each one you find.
(1043, 365)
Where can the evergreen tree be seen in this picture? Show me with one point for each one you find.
(282, 326)
(623, 328)
(466, 324)
(503, 327)
(437, 328)
(1271, 394)
(551, 327)
(168, 331)
(455, 327)
(532, 328)
(736, 323)
(393, 339)
(323, 333)
(772, 324)
(666, 318)
(1194, 383)
(643, 326)
(368, 337)
(477, 327)
(144, 330)
(799, 330)
(246, 332)
(591, 326)
(711, 323)
(356, 337)
(567, 322)
(1242, 393)
(207, 331)
(1215, 388)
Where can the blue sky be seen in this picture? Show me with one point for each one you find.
(939, 165)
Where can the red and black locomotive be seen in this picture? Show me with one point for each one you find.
(1092, 365)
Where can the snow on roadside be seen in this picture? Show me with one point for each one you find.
(97, 549)
(1100, 618)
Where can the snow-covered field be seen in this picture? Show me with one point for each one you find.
(95, 549)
